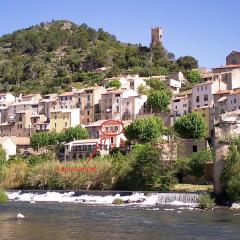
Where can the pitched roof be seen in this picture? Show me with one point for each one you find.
(66, 94)
(228, 66)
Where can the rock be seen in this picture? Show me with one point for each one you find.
(20, 216)
(128, 201)
(236, 206)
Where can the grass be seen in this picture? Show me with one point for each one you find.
(3, 197)
(206, 201)
(118, 201)
(192, 188)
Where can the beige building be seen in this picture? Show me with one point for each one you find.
(48, 103)
(88, 101)
(66, 100)
(61, 119)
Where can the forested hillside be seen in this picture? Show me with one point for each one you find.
(51, 57)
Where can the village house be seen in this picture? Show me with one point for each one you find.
(23, 145)
(180, 105)
(48, 103)
(61, 119)
(66, 100)
(6, 99)
(88, 101)
(111, 131)
(202, 93)
(85, 148)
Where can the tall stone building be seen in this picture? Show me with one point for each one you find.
(233, 58)
(156, 36)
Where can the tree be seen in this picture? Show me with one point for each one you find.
(198, 161)
(75, 133)
(144, 130)
(193, 76)
(158, 100)
(114, 83)
(187, 62)
(148, 170)
(155, 84)
(230, 176)
(191, 125)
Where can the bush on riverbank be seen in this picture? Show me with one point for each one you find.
(231, 172)
(3, 197)
(206, 202)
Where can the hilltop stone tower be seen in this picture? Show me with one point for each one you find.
(156, 36)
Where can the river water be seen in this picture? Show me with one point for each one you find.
(60, 221)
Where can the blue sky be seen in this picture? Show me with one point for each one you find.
(205, 29)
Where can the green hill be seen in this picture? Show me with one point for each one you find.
(51, 57)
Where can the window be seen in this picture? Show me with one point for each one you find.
(88, 97)
(185, 105)
(175, 107)
(127, 103)
(111, 140)
(55, 125)
(117, 109)
(88, 112)
(116, 128)
(205, 97)
(117, 100)
(65, 124)
(235, 100)
(185, 112)
(197, 98)
(201, 88)
(194, 148)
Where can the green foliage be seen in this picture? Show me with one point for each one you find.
(187, 62)
(2, 163)
(3, 197)
(231, 173)
(42, 139)
(193, 76)
(206, 202)
(118, 201)
(148, 170)
(198, 162)
(50, 57)
(158, 100)
(114, 83)
(191, 125)
(143, 130)
(155, 84)
(75, 133)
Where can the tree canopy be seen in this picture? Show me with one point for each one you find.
(144, 130)
(191, 125)
(187, 62)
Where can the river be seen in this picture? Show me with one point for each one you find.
(68, 220)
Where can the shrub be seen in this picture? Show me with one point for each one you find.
(198, 162)
(118, 201)
(206, 201)
(15, 174)
(3, 197)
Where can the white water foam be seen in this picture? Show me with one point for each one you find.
(135, 198)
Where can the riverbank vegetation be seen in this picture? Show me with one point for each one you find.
(231, 172)
(3, 197)
(140, 167)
